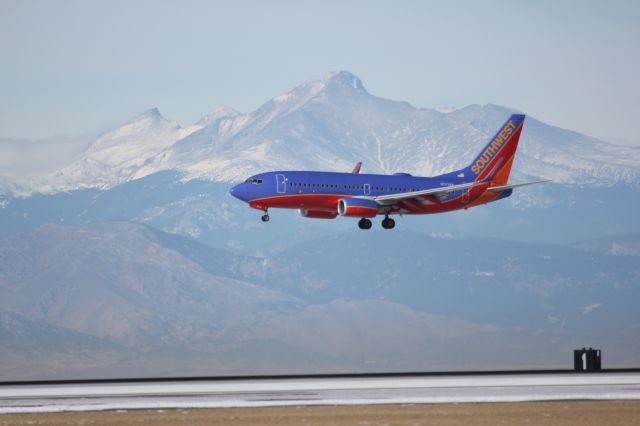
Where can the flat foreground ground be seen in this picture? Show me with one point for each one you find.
(530, 413)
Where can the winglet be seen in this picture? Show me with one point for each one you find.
(356, 169)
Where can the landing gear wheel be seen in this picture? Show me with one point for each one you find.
(388, 223)
(265, 217)
(364, 223)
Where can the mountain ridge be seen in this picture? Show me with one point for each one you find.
(94, 300)
(330, 124)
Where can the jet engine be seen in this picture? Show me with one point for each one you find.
(317, 214)
(357, 207)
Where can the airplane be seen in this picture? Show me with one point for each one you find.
(326, 195)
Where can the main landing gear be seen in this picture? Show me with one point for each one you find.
(265, 216)
(364, 223)
(387, 223)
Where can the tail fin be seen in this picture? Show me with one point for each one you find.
(495, 160)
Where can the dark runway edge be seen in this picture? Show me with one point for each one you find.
(310, 376)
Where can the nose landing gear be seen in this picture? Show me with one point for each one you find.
(364, 223)
(265, 216)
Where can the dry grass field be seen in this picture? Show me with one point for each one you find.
(582, 413)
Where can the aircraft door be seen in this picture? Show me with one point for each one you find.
(367, 189)
(281, 184)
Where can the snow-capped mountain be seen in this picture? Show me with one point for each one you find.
(330, 124)
(118, 155)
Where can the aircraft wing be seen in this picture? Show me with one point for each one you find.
(515, 185)
(435, 192)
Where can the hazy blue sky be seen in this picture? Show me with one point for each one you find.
(70, 67)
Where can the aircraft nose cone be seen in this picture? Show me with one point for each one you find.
(238, 192)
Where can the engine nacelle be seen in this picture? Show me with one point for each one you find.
(357, 207)
(317, 214)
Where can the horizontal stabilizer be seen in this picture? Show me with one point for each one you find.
(515, 185)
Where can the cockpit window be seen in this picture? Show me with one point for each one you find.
(253, 181)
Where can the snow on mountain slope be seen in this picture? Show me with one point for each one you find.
(320, 125)
(333, 123)
(117, 155)
(330, 124)
(220, 112)
(562, 155)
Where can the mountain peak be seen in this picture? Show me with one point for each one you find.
(152, 113)
(220, 112)
(224, 110)
(334, 82)
(344, 78)
(151, 117)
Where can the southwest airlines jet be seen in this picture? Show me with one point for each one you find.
(325, 195)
